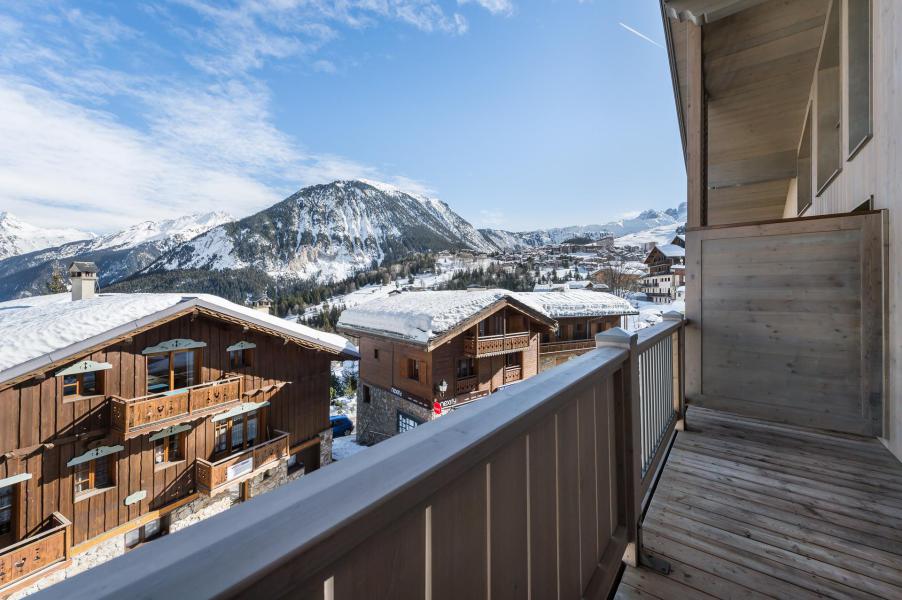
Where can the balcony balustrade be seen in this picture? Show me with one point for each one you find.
(36, 553)
(491, 345)
(211, 477)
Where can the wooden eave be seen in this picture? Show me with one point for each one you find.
(48, 368)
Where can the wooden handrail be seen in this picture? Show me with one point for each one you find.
(62, 523)
(277, 436)
(175, 391)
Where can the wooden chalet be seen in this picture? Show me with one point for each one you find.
(424, 353)
(750, 450)
(666, 272)
(117, 409)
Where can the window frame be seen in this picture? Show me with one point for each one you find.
(832, 29)
(412, 370)
(100, 386)
(854, 147)
(403, 416)
(247, 358)
(178, 439)
(198, 368)
(13, 510)
(91, 468)
(228, 426)
(508, 360)
(367, 394)
(470, 371)
(143, 537)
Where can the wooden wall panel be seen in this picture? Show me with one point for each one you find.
(786, 321)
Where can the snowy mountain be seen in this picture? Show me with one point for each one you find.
(328, 232)
(118, 255)
(650, 225)
(18, 237)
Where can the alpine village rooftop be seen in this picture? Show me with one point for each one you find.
(749, 448)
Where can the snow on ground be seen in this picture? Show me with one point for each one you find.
(661, 234)
(345, 446)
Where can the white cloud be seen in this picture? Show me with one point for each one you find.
(496, 7)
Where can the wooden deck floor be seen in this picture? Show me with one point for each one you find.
(748, 509)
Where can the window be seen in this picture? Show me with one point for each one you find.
(172, 370)
(94, 474)
(466, 367)
(376, 353)
(859, 31)
(83, 384)
(407, 422)
(169, 449)
(237, 433)
(514, 359)
(7, 501)
(828, 104)
(151, 530)
(239, 359)
(413, 369)
(367, 394)
(803, 168)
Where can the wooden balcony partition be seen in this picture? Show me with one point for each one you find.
(135, 416)
(36, 553)
(492, 345)
(534, 493)
(214, 476)
(466, 385)
(512, 374)
(566, 346)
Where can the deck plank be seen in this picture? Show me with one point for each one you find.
(750, 509)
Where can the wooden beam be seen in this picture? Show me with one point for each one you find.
(696, 130)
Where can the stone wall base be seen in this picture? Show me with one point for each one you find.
(184, 516)
(325, 447)
(378, 419)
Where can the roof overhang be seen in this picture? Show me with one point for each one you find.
(190, 305)
(759, 60)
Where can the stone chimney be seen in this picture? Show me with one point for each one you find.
(263, 304)
(83, 276)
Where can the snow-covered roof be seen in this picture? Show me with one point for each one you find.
(41, 330)
(423, 317)
(578, 303)
(672, 250)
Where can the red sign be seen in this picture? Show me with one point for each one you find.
(437, 408)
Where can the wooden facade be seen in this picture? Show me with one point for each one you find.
(46, 438)
(498, 348)
(574, 336)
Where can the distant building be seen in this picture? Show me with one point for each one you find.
(425, 353)
(666, 272)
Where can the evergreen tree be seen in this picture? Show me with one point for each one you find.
(57, 282)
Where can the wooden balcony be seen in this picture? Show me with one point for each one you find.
(493, 345)
(36, 554)
(131, 417)
(466, 385)
(513, 374)
(212, 477)
(566, 346)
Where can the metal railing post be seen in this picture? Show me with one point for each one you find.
(679, 380)
(629, 385)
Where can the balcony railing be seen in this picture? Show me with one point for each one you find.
(211, 477)
(36, 553)
(131, 417)
(489, 345)
(539, 490)
(512, 374)
(466, 385)
(566, 346)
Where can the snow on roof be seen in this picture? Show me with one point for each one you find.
(672, 250)
(44, 329)
(422, 316)
(578, 303)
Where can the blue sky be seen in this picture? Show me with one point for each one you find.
(518, 114)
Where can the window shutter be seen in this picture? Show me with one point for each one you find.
(422, 365)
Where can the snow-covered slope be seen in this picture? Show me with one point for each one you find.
(651, 224)
(18, 237)
(118, 255)
(329, 232)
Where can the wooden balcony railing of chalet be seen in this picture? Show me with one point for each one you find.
(466, 385)
(512, 374)
(567, 346)
(36, 553)
(536, 493)
(133, 416)
(489, 345)
(213, 476)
